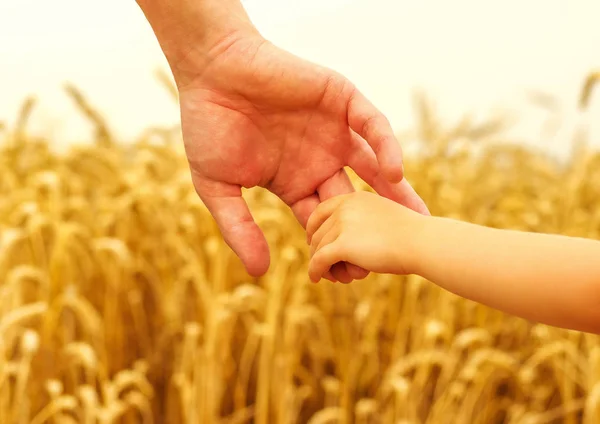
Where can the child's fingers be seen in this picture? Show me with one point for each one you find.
(322, 232)
(313, 247)
(328, 238)
(321, 214)
(342, 277)
(338, 270)
(324, 259)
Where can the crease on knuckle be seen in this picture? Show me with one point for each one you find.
(369, 126)
(241, 224)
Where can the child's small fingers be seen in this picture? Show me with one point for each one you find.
(327, 227)
(325, 239)
(328, 238)
(324, 259)
(339, 271)
(321, 214)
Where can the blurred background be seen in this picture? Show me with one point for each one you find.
(120, 303)
(468, 55)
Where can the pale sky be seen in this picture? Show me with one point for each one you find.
(469, 55)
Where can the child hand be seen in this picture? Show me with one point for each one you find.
(363, 229)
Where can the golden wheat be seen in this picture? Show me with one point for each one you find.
(120, 302)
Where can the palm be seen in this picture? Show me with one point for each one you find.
(258, 116)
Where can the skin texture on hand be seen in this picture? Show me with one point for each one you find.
(365, 230)
(258, 116)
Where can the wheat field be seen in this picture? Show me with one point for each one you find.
(120, 303)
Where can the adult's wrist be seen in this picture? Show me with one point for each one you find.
(191, 33)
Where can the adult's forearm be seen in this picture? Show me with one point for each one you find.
(545, 278)
(188, 30)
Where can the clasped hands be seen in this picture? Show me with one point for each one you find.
(255, 115)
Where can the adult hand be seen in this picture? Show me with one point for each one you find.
(255, 115)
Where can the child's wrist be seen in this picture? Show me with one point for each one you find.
(420, 238)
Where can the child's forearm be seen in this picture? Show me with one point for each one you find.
(544, 278)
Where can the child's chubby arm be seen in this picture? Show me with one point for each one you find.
(549, 279)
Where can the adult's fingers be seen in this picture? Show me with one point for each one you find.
(304, 208)
(239, 230)
(363, 161)
(367, 121)
(341, 272)
(407, 196)
(336, 185)
(356, 272)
